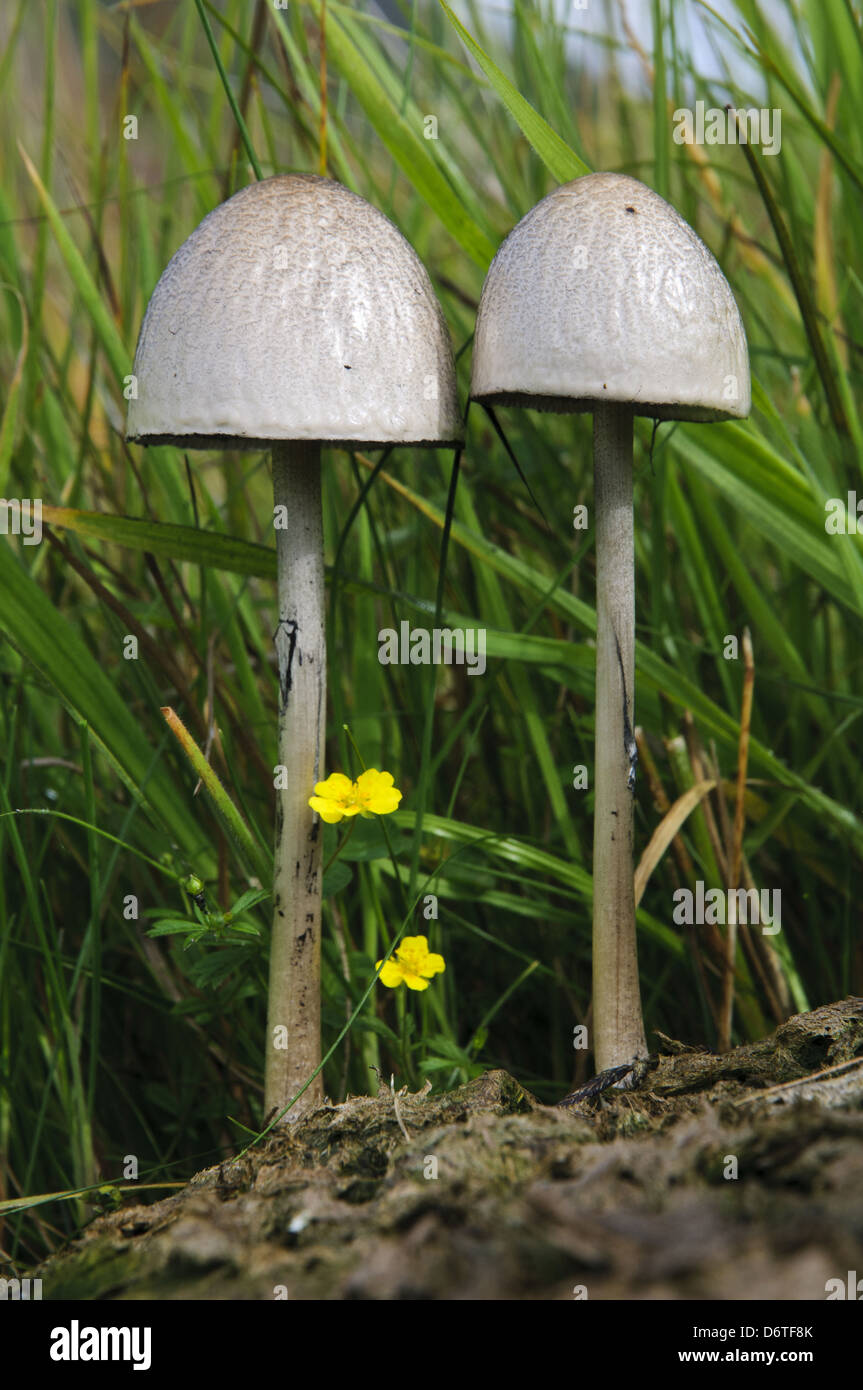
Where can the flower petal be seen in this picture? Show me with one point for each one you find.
(391, 975)
(412, 944)
(337, 787)
(433, 964)
(416, 982)
(376, 793)
(371, 778)
(328, 810)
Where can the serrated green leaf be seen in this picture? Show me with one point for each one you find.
(248, 900)
(243, 928)
(170, 928)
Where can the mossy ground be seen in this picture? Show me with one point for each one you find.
(495, 1196)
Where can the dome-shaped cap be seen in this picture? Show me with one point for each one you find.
(296, 310)
(603, 293)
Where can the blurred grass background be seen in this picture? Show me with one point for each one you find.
(115, 1043)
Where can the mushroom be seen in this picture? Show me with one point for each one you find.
(603, 299)
(295, 315)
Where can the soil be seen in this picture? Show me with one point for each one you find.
(716, 1177)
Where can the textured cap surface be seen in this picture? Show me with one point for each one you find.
(295, 310)
(603, 293)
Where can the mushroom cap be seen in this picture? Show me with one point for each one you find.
(603, 293)
(295, 310)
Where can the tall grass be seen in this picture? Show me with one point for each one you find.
(114, 1042)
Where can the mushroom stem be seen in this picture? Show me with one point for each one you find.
(618, 1030)
(294, 1009)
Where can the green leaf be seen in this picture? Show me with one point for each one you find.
(229, 91)
(198, 547)
(336, 878)
(251, 851)
(249, 899)
(659, 675)
(104, 325)
(216, 966)
(45, 637)
(10, 410)
(561, 161)
(364, 1023)
(407, 147)
(368, 842)
(510, 850)
(778, 503)
(242, 929)
(170, 928)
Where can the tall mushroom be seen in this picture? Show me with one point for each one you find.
(295, 315)
(603, 299)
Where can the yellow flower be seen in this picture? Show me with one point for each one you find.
(413, 962)
(373, 794)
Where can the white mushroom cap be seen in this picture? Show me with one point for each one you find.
(295, 311)
(603, 293)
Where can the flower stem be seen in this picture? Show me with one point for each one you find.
(340, 846)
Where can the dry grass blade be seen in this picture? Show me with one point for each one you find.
(666, 831)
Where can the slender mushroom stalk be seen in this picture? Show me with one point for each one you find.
(301, 652)
(603, 299)
(618, 1030)
(295, 315)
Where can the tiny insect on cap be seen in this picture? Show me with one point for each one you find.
(294, 311)
(602, 293)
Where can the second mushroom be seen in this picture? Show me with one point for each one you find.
(603, 299)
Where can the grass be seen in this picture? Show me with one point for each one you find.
(114, 1042)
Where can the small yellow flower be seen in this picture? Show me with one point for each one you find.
(373, 794)
(413, 962)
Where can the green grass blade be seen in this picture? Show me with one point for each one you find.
(406, 146)
(207, 548)
(51, 643)
(561, 161)
(99, 316)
